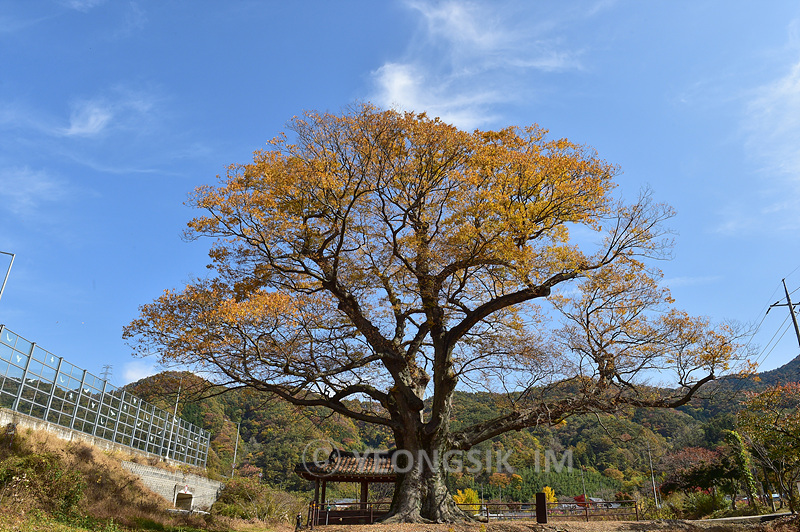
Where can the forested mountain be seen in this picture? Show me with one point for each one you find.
(611, 454)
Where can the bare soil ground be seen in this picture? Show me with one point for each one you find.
(787, 524)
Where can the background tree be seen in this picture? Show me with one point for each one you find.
(770, 422)
(391, 257)
(740, 459)
(468, 500)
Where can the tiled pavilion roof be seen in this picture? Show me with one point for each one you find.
(347, 466)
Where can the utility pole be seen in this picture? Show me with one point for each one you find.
(107, 371)
(8, 272)
(583, 483)
(174, 419)
(791, 310)
(652, 476)
(236, 449)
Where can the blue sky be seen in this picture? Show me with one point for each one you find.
(111, 112)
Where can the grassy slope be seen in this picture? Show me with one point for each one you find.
(53, 485)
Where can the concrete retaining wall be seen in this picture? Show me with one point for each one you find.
(201, 491)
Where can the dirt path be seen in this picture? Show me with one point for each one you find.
(781, 525)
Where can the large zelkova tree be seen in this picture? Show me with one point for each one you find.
(372, 262)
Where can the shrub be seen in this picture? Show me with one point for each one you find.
(246, 498)
(40, 480)
(700, 504)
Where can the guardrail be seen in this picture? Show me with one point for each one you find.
(368, 512)
(594, 511)
(356, 513)
(37, 383)
(584, 511)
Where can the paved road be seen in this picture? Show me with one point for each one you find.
(746, 518)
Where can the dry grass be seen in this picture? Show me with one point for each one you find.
(109, 493)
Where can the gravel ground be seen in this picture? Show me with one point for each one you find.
(791, 524)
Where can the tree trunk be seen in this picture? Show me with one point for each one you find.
(769, 488)
(421, 494)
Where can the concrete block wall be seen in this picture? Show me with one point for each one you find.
(167, 484)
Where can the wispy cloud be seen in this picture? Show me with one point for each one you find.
(771, 129)
(121, 109)
(468, 57)
(82, 5)
(89, 119)
(16, 115)
(774, 123)
(118, 109)
(407, 86)
(25, 191)
(674, 282)
(138, 369)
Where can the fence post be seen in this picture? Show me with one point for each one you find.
(99, 408)
(636, 505)
(117, 415)
(15, 408)
(137, 424)
(586, 510)
(541, 508)
(53, 391)
(78, 401)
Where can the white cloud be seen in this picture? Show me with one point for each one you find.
(403, 86)
(82, 5)
(26, 190)
(461, 22)
(673, 282)
(774, 123)
(89, 119)
(17, 115)
(772, 135)
(119, 109)
(469, 57)
(122, 108)
(136, 370)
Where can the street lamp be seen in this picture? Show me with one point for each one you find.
(3, 287)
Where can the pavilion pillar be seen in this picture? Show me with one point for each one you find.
(364, 494)
(324, 489)
(316, 491)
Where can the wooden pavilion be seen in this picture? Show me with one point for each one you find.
(344, 466)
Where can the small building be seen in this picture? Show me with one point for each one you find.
(346, 466)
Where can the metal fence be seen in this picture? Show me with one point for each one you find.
(37, 383)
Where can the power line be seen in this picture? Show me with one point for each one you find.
(762, 356)
(766, 351)
(791, 310)
(791, 272)
(777, 342)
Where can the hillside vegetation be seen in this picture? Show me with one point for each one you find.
(611, 455)
(49, 484)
